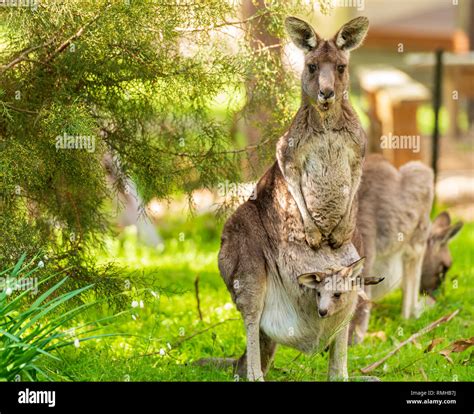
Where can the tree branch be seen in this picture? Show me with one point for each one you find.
(25, 111)
(223, 24)
(76, 35)
(23, 56)
(237, 151)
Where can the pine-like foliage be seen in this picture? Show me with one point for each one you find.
(135, 79)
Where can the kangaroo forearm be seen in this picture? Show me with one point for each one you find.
(344, 230)
(293, 180)
(348, 221)
(295, 190)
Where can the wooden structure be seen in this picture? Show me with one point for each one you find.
(416, 40)
(419, 28)
(393, 99)
(427, 27)
(458, 81)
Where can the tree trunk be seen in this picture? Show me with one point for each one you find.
(259, 37)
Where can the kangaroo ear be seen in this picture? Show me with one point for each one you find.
(356, 267)
(352, 34)
(311, 280)
(372, 280)
(442, 220)
(301, 33)
(452, 231)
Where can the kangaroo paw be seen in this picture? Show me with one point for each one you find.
(313, 237)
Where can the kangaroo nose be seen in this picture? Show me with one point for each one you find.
(326, 93)
(323, 312)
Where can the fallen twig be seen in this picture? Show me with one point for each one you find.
(198, 302)
(187, 338)
(416, 335)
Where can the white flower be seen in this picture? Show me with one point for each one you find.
(134, 317)
(40, 264)
(168, 345)
(134, 304)
(228, 306)
(154, 294)
(77, 343)
(162, 352)
(9, 291)
(142, 304)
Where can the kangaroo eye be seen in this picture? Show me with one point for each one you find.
(341, 68)
(337, 295)
(319, 294)
(312, 68)
(442, 272)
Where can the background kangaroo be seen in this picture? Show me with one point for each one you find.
(394, 223)
(437, 260)
(306, 198)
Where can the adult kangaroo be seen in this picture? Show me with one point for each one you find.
(286, 255)
(398, 237)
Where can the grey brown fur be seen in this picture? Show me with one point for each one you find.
(321, 154)
(393, 221)
(391, 203)
(304, 208)
(438, 260)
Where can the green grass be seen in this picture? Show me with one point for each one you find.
(172, 316)
(38, 330)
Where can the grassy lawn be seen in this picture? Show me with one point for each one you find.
(162, 346)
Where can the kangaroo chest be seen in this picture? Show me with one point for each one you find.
(330, 173)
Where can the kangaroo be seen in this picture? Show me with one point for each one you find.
(320, 156)
(297, 227)
(436, 263)
(438, 260)
(394, 223)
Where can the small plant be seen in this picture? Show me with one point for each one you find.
(30, 331)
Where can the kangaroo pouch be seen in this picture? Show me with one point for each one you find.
(290, 315)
